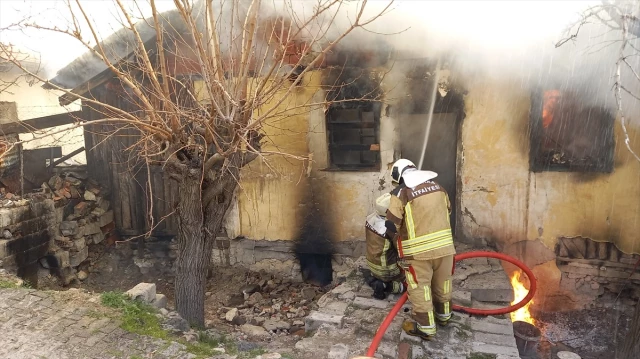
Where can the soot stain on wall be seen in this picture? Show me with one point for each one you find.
(315, 248)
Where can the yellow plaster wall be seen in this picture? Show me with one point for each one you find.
(273, 187)
(274, 190)
(504, 202)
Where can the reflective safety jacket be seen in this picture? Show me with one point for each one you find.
(382, 257)
(421, 217)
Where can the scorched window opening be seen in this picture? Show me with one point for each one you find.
(569, 133)
(353, 121)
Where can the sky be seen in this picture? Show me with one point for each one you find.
(506, 38)
(57, 50)
(496, 25)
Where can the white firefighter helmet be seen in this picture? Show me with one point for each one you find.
(398, 169)
(382, 204)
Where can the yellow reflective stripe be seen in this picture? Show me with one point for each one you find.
(392, 268)
(431, 321)
(411, 227)
(380, 271)
(445, 233)
(447, 286)
(411, 282)
(427, 242)
(383, 257)
(427, 294)
(426, 247)
(447, 310)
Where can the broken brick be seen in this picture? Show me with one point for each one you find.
(403, 350)
(81, 209)
(74, 192)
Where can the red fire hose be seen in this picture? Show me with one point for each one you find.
(396, 308)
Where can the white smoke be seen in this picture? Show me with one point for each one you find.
(509, 40)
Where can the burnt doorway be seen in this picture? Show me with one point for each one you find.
(417, 115)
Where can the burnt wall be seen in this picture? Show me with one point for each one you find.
(24, 236)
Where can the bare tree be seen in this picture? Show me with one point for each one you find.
(621, 17)
(241, 50)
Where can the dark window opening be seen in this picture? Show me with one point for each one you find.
(569, 135)
(353, 120)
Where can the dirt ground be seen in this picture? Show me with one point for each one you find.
(278, 300)
(593, 334)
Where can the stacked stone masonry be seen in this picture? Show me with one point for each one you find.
(53, 228)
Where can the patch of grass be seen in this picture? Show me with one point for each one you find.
(4, 284)
(114, 299)
(135, 357)
(140, 318)
(137, 317)
(205, 345)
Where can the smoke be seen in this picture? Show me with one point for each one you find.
(514, 41)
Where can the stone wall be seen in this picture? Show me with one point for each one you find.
(596, 272)
(277, 257)
(24, 235)
(53, 228)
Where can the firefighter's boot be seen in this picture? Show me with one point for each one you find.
(443, 313)
(379, 289)
(414, 329)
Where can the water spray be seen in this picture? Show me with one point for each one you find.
(432, 106)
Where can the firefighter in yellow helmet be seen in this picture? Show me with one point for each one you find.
(419, 211)
(382, 257)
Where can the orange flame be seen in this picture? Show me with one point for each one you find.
(519, 292)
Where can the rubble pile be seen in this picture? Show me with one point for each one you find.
(85, 217)
(8, 199)
(75, 213)
(270, 307)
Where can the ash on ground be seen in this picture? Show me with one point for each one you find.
(591, 333)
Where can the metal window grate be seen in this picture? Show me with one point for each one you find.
(354, 137)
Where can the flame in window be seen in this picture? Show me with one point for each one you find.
(551, 99)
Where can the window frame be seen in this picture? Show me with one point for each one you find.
(333, 126)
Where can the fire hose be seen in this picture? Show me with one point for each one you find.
(396, 308)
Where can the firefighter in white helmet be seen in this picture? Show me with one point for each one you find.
(419, 212)
(382, 256)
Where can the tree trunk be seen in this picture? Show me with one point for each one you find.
(192, 261)
(631, 346)
(198, 227)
